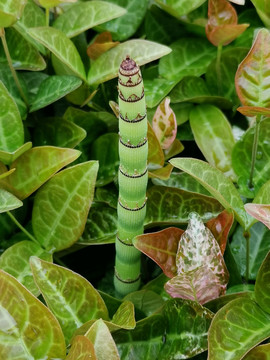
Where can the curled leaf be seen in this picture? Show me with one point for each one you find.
(102, 43)
(164, 124)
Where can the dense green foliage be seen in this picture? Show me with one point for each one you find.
(207, 92)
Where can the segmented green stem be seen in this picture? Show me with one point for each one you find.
(132, 176)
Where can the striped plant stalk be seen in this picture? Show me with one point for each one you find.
(132, 175)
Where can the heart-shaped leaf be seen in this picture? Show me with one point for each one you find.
(216, 183)
(99, 335)
(107, 65)
(10, 11)
(28, 328)
(236, 328)
(189, 57)
(81, 349)
(262, 286)
(161, 247)
(169, 206)
(8, 201)
(213, 135)
(179, 8)
(164, 124)
(62, 47)
(61, 206)
(12, 134)
(54, 88)
(251, 78)
(71, 297)
(83, 16)
(15, 261)
(259, 352)
(241, 158)
(36, 166)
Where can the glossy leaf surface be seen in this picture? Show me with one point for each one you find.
(15, 261)
(28, 329)
(24, 55)
(120, 28)
(54, 88)
(142, 51)
(259, 246)
(241, 158)
(162, 173)
(167, 335)
(155, 153)
(213, 134)
(261, 352)
(262, 286)
(10, 11)
(254, 111)
(262, 10)
(251, 78)
(8, 201)
(260, 212)
(81, 349)
(189, 57)
(164, 124)
(61, 47)
(7, 157)
(83, 16)
(101, 338)
(62, 205)
(156, 89)
(236, 328)
(36, 166)
(12, 133)
(172, 206)
(216, 183)
(71, 297)
(178, 8)
(161, 247)
(146, 301)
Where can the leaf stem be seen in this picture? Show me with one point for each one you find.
(254, 149)
(218, 70)
(247, 237)
(31, 237)
(47, 16)
(5, 46)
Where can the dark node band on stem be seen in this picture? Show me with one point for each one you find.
(132, 209)
(123, 242)
(135, 176)
(128, 145)
(138, 118)
(132, 98)
(127, 281)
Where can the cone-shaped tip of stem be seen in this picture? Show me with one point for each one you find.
(128, 64)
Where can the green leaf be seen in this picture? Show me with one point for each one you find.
(178, 331)
(172, 206)
(251, 78)
(216, 183)
(262, 285)
(28, 328)
(62, 47)
(156, 89)
(229, 61)
(24, 56)
(155, 157)
(36, 166)
(12, 134)
(213, 135)
(15, 261)
(61, 206)
(101, 225)
(59, 132)
(263, 195)
(54, 88)
(10, 11)
(179, 8)
(107, 65)
(70, 297)
(32, 16)
(146, 301)
(85, 15)
(81, 349)
(189, 57)
(104, 345)
(261, 352)
(263, 11)
(32, 82)
(126, 25)
(236, 328)
(8, 201)
(7, 157)
(241, 158)
(105, 150)
(193, 89)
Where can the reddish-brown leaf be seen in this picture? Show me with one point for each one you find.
(220, 227)
(164, 124)
(161, 247)
(252, 79)
(254, 111)
(225, 34)
(260, 212)
(103, 42)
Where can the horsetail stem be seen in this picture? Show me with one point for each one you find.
(132, 175)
